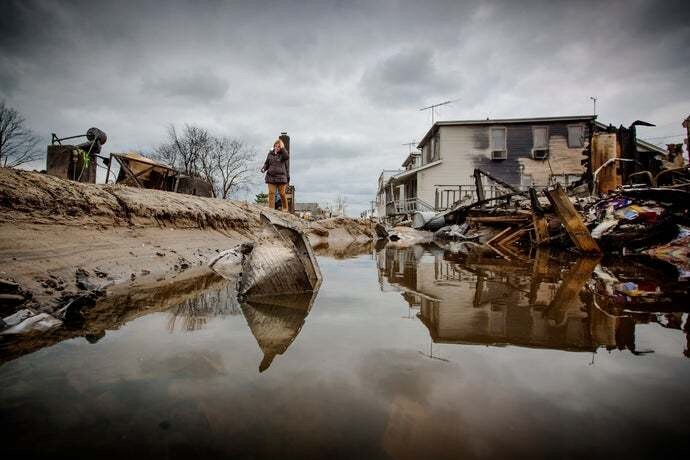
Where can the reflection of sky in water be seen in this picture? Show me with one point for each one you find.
(357, 382)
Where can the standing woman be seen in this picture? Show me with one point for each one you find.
(276, 170)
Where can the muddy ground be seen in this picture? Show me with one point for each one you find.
(60, 240)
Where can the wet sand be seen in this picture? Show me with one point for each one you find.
(60, 238)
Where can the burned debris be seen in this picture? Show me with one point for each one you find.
(627, 202)
(76, 162)
(79, 162)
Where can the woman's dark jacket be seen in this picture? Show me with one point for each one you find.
(277, 167)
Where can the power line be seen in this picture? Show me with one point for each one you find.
(662, 137)
(410, 145)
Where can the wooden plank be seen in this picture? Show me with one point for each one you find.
(501, 182)
(500, 235)
(514, 219)
(479, 185)
(516, 235)
(129, 172)
(571, 220)
(567, 301)
(110, 162)
(541, 228)
(604, 147)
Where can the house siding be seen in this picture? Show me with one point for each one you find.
(464, 148)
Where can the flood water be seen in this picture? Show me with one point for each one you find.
(403, 354)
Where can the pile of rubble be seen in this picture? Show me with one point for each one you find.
(652, 221)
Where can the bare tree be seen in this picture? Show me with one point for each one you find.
(18, 144)
(230, 161)
(223, 161)
(184, 151)
(340, 204)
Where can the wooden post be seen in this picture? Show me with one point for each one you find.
(604, 147)
(571, 220)
(567, 299)
(479, 185)
(541, 225)
(110, 162)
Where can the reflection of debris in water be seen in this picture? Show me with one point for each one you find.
(126, 303)
(195, 312)
(275, 322)
(344, 249)
(551, 301)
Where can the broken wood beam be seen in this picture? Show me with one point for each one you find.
(571, 220)
(510, 219)
(479, 185)
(128, 172)
(541, 225)
(500, 235)
(500, 181)
(541, 228)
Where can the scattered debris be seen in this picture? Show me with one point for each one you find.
(82, 280)
(17, 318)
(38, 323)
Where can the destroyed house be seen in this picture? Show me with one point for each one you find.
(522, 152)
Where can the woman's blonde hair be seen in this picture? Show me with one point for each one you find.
(280, 143)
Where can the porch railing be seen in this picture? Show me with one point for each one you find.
(447, 195)
(407, 206)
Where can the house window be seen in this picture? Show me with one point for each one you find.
(576, 136)
(540, 142)
(427, 152)
(437, 147)
(540, 136)
(498, 138)
(498, 144)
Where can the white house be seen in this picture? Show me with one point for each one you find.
(521, 151)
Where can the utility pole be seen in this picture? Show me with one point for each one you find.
(594, 100)
(686, 125)
(433, 108)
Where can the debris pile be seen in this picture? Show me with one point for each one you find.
(633, 219)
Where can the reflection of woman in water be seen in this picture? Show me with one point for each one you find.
(276, 171)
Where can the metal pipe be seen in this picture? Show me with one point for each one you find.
(606, 163)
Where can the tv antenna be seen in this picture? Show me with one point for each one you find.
(434, 106)
(410, 145)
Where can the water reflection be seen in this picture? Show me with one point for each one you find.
(352, 383)
(551, 301)
(276, 321)
(339, 249)
(191, 299)
(190, 302)
(193, 313)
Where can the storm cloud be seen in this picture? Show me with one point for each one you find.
(344, 79)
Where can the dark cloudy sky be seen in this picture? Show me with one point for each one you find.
(344, 78)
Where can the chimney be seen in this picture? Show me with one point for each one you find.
(286, 140)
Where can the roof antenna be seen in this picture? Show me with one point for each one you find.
(410, 145)
(433, 108)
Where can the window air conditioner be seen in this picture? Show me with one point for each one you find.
(499, 155)
(540, 154)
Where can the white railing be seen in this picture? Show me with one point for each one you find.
(407, 206)
(447, 195)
